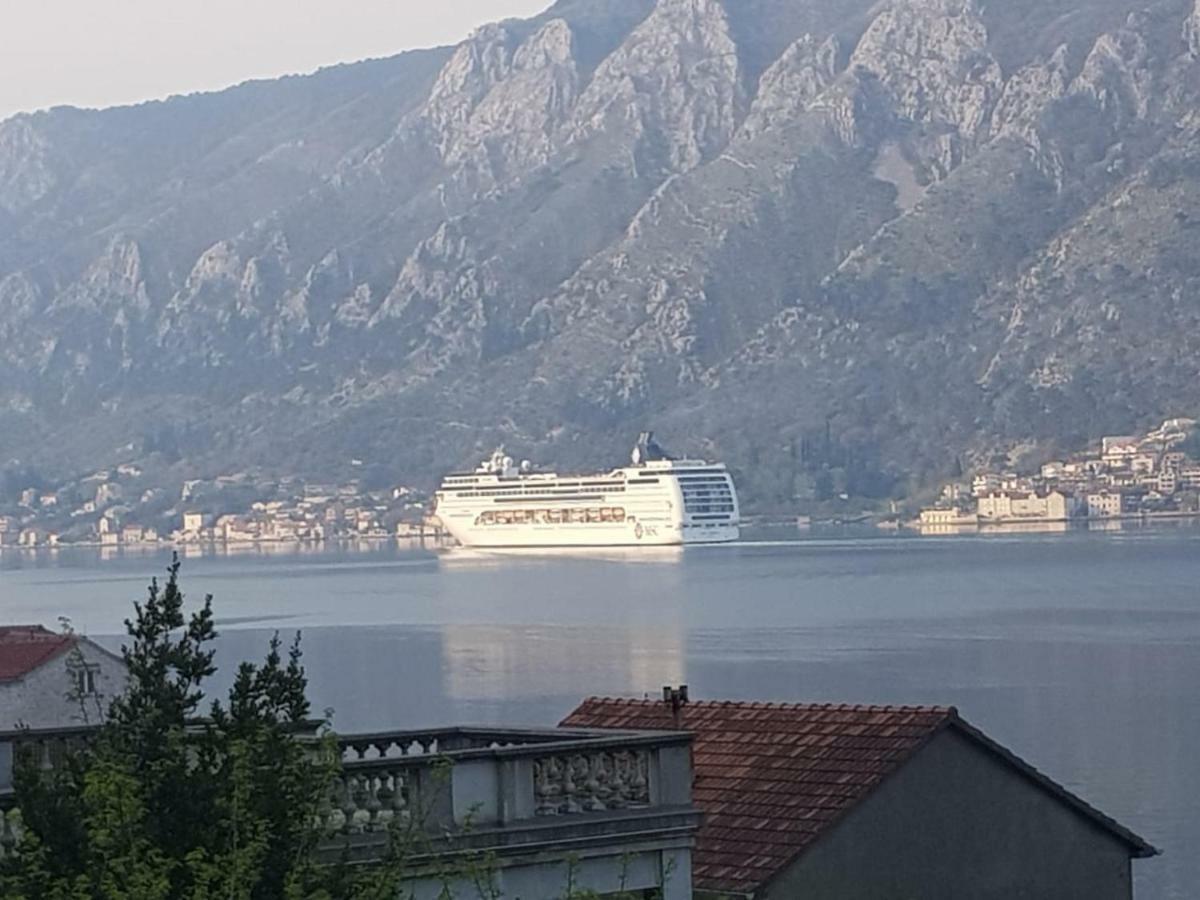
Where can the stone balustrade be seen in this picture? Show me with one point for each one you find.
(474, 778)
(527, 796)
(588, 782)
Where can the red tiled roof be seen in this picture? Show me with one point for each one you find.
(772, 778)
(24, 648)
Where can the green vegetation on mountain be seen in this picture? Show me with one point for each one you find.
(936, 229)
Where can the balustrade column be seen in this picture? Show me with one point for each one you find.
(6, 766)
(10, 831)
(589, 782)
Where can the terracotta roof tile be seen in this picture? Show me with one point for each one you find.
(769, 777)
(24, 648)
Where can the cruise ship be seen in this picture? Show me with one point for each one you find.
(655, 501)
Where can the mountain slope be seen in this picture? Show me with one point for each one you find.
(920, 229)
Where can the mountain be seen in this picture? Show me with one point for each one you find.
(844, 244)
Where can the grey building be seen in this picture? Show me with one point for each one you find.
(50, 680)
(805, 801)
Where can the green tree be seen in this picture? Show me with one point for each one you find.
(163, 805)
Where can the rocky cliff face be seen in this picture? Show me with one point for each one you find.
(938, 227)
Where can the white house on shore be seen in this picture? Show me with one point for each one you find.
(50, 680)
(1019, 505)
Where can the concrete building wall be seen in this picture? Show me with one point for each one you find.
(41, 699)
(599, 874)
(958, 822)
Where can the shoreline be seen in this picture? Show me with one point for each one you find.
(184, 546)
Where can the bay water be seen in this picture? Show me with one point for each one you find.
(1080, 652)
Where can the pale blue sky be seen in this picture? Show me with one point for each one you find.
(107, 52)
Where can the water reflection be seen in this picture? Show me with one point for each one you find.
(494, 663)
(1080, 651)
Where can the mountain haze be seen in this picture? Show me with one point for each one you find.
(886, 237)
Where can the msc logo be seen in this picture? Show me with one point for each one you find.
(645, 531)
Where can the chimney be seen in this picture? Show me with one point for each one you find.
(678, 698)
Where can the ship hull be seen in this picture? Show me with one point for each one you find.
(498, 537)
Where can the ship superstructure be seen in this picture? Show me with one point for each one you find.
(655, 501)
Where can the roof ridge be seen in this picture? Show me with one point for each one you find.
(779, 705)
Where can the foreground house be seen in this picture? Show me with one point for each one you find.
(804, 801)
(50, 680)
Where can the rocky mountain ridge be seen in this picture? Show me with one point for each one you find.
(926, 230)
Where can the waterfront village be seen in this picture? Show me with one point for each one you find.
(1154, 474)
(1149, 475)
(118, 508)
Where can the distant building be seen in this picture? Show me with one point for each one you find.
(320, 493)
(1020, 505)
(195, 522)
(408, 530)
(237, 528)
(50, 680)
(1173, 459)
(1105, 504)
(1119, 450)
(1143, 463)
(137, 534)
(876, 802)
(1054, 470)
(985, 483)
(35, 537)
(952, 516)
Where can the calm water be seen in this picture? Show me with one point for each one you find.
(1079, 652)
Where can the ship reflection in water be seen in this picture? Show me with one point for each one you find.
(493, 663)
(464, 557)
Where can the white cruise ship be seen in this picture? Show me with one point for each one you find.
(656, 501)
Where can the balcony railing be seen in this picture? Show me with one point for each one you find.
(508, 790)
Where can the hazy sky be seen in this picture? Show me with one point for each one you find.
(106, 52)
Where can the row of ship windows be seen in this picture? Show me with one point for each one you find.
(558, 488)
(552, 516)
(678, 473)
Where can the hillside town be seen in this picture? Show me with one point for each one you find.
(1155, 474)
(120, 507)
